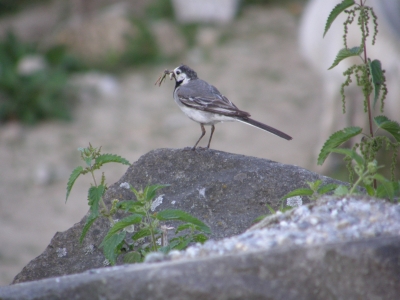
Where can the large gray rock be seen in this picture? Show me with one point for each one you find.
(226, 191)
(368, 269)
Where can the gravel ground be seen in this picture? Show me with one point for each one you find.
(258, 67)
(329, 220)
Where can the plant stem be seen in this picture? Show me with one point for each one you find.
(153, 238)
(366, 63)
(94, 178)
(360, 178)
(371, 131)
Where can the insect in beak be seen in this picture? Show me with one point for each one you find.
(162, 77)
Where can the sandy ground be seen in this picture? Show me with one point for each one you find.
(257, 67)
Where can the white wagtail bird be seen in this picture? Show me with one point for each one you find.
(204, 104)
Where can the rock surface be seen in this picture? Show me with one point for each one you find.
(226, 191)
(333, 248)
(366, 269)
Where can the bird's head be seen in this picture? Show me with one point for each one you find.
(183, 74)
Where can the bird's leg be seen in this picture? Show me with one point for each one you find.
(212, 132)
(203, 132)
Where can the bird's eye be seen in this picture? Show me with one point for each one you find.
(178, 72)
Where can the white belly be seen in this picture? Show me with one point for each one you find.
(204, 117)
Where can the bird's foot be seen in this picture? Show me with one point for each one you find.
(195, 148)
(200, 148)
(188, 149)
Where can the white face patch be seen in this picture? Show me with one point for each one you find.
(181, 76)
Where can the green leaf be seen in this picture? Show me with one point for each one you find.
(341, 190)
(137, 194)
(271, 210)
(391, 127)
(379, 120)
(336, 140)
(89, 222)
(386, 189)
(95, 194)
(88, 161)
(183, 243)
(150, 191)
(133, 257)
(141, 234)
(175, 214)
(107, 158)
(370, 190)
(173, 243)
(337, 10)
(345, 53)
(184, 227)
(125, 222)
(72, 178)
(165, 249)
(350, 153)
(200, 238)
(378, 79)
(286, 208)
(112, 245)
(327, 188)
(314, 185)
(298, 192)
(258, 219)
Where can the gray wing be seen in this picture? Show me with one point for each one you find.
(200, 95)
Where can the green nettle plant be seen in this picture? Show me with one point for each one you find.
(141, 232)
(361, 160)
(314, 191)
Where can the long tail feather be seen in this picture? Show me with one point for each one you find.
(265, 127)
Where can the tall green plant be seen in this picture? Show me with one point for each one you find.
(141, 224)
(362, 158)
(370, 77)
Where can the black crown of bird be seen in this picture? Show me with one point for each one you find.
(204, 104)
